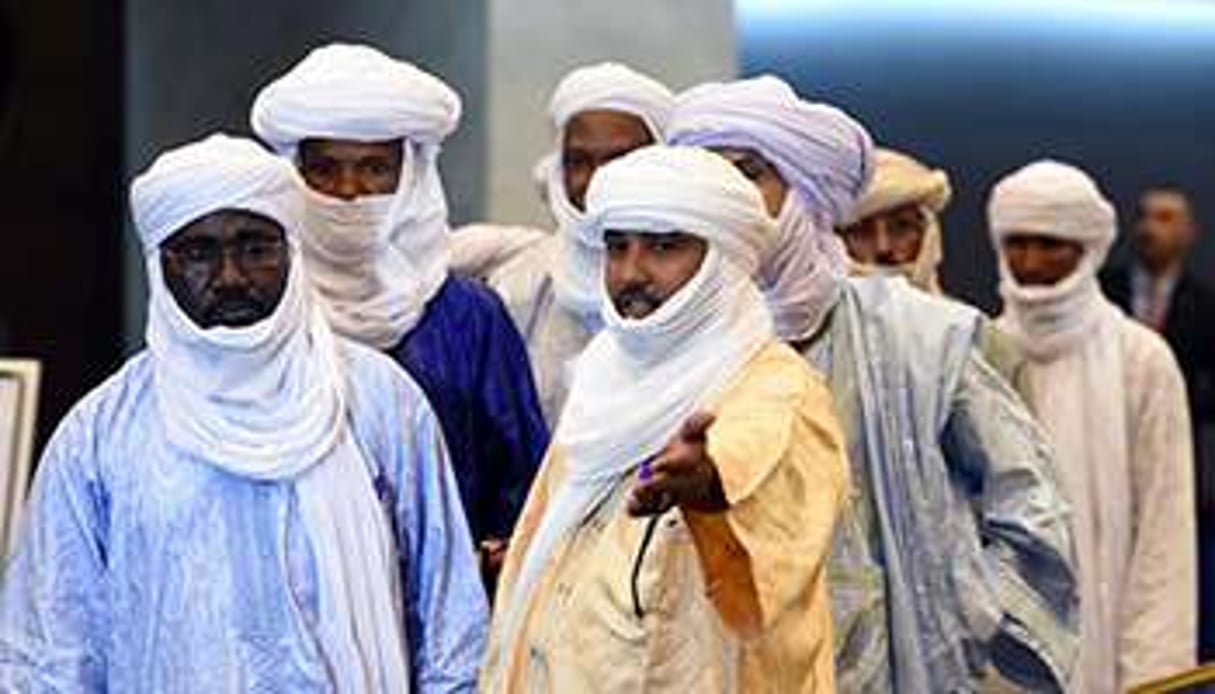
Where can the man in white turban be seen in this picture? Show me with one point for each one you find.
(550, 282)
(676, 535)
(365, 131)
(895, 229)
(954, 554)
(1113, 401)
(252, 503)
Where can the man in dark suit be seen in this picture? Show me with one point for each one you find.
(1161, 289)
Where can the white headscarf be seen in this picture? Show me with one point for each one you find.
(639, 379)
(823, 155)
(603, 86)
(1077, 374)
(266, 402)
(899, 180)
(377, 260)
(1060, 201)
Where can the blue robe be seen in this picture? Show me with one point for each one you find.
(469, 359)
(955, 557)
(142, 569)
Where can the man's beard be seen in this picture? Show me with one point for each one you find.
(637, 301)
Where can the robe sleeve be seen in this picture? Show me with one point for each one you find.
(479, 250)
(1159, 607)
(779, 453)
(447, 615)
(1003, 456)
(515, 432)
(53, 619)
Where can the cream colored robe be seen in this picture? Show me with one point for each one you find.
(729, 602)
(1122, 435)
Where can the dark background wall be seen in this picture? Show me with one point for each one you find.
(60, 146)
(1123, 88)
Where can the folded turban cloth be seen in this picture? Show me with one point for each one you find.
(612, 87)
(1049, 198)
(352, 92)
(898, 180)
(663, 189)
(819, 150)
(220, 172)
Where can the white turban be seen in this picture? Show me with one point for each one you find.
(602, 86)
(352, 92)
(1048, 198)
(376, 260)
(822, 154)
(612, 87)
(266, 402)
(640, 379)
(662, 189)
(231, 173)
(899, 180)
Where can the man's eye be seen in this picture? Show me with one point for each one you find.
(575, 160)
(378, 168)
(322, 168)
(856, 231)
(749, 169)
(613, 242)
(666, 244)
(197, 252)
(258, 249)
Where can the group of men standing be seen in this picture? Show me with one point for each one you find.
(773, 465)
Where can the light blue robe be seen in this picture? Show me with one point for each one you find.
(955, 558)
(142, 569)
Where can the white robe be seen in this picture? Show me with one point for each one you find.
(1115, 408)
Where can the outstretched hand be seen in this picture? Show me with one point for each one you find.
(681, 475)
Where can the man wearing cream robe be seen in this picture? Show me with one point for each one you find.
(676, 535)
(1113, 401)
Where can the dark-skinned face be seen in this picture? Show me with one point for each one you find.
(644, 270)
(228, 268)
(592, 139)
(760, 172)
(1041, 261)
(346, 170)
(889, 238)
